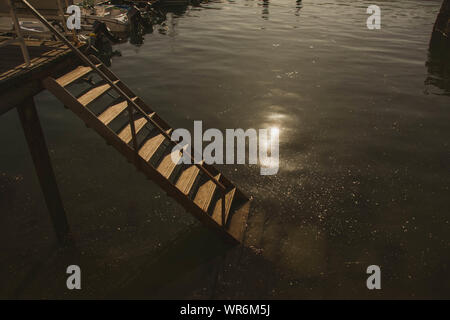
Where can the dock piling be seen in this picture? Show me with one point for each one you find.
(39, 152)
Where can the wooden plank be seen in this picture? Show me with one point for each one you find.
(205, 194)
(113, 111)
(169, 162)
(12, 65)
(15, 90)
(39, 153)
(187, 179)
(151, 145)
(217, 213)
(125, 135)
(73, 75)
(88, 117)
(94, 94)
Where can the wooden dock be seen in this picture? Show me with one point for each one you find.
(17, 82)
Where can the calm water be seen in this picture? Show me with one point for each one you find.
(364, 161)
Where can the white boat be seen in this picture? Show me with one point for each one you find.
(115, 18)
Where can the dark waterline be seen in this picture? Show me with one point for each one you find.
(364, 161)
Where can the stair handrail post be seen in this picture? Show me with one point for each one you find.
(19, 36)
(132, 128)
(61, 12)
(114, 86)
(223, 207)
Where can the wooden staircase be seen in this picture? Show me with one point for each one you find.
(109, 107)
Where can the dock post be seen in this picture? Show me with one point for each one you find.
(38, 148)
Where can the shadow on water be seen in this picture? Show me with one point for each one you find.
(172, 263)
(196, 264)
(438, 65)
(139, 273)
(438, 62)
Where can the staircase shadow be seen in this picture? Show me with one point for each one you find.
(175, 261)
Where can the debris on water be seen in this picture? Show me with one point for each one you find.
(257, 251)
(292, 74)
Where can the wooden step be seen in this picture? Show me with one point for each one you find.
(217, 213)
(126, 134)
(150, 146)
(74, 75)
(113, 111)
(205, 194)
(169, 162)
(187, 179)
(94, 93)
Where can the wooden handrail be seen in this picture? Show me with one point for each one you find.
(120, 91)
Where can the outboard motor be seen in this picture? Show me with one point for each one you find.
(100, 28)
(102, 43)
